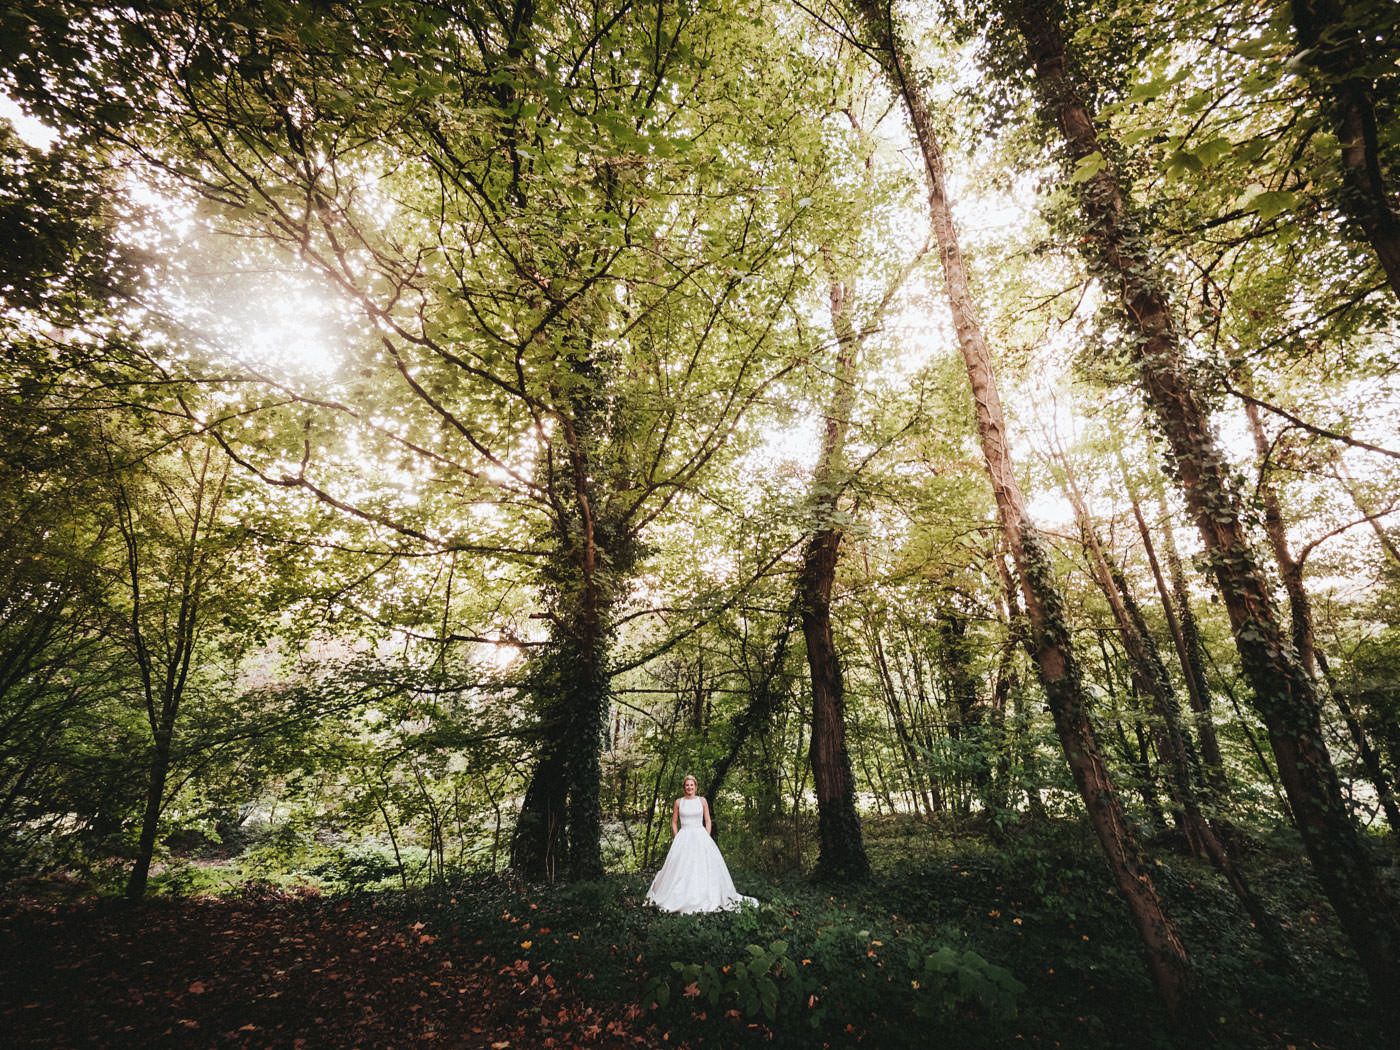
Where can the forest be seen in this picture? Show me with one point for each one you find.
(964, 435)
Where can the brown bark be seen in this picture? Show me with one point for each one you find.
(841, 852)
(1283, 691)
(1166, 955)
(1192, 667)
(1148, 676)
(1334, 49)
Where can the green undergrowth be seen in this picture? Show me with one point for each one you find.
(954, 943)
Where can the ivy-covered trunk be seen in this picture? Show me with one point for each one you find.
(1166, 955)
(841, 853)
(1148, 675)
(1192, 668)
(559, 831)
(766, 692)
(1181, 625)
(1284, 693)
(1290, 568)
(968, 730)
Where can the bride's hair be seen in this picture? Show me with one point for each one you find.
(691, 776)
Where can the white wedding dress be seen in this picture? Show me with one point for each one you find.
(694, 877)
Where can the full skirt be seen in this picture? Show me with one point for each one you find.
(694, 877)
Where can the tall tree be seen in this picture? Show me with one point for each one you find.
(1119, 247)
(1150, 679)
(1181, 625)
(842, 850)
(178, 543)
(1291, 569)
(1167, 958)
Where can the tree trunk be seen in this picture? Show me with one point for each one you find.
(1194, 666)
(1284, 693)
(999, 770)
(1333, 46)
(539, 844)
(150, 817)
(1370, 761)
(1145, 668)
(1193, 671)
(1016, 629)
(559, 830)
(1166, 955)
(841, 854)
(971, 719)
(841, 851)
(916, 782)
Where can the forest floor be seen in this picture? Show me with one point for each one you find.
(954, 944)
(287, 971)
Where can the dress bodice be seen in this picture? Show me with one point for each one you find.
(692, 813)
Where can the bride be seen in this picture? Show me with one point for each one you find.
(694, 877)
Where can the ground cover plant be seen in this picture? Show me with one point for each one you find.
(963, 944)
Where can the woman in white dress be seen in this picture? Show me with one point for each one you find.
(694, 877)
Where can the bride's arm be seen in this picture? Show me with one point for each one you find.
(675, 817)
(706, 803)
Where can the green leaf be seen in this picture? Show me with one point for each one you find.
(1271, 203)
(1182, 163)
(1087, 168)
(1212, 151)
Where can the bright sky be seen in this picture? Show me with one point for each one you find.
(30, 130)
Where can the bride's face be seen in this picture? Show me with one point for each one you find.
(689, 787)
